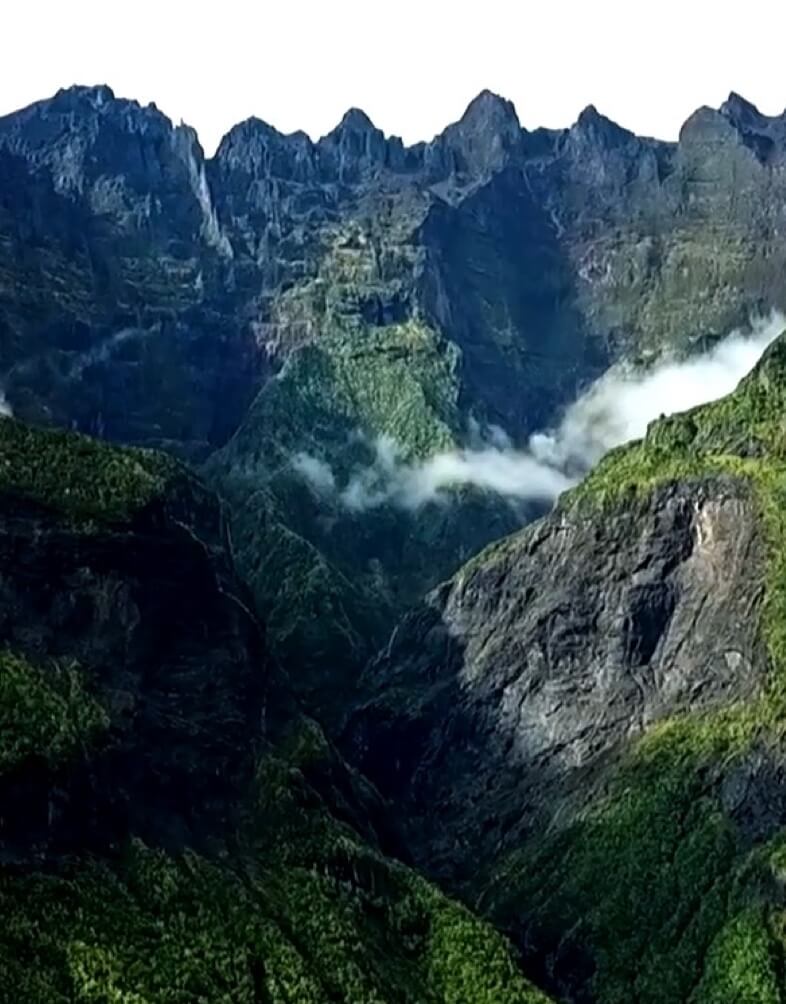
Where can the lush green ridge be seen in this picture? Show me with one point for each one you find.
(406, 293)
(656, 884)
(302, 913)
(80, 478)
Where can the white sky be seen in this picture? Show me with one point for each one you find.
(412, 65)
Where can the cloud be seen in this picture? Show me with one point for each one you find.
(316, 472)
(104, 350)
(6, 410)
(615, 409)
(508, 472)
(622, 403)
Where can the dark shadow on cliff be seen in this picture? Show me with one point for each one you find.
(498, 281)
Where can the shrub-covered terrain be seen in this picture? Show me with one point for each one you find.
(590, 718)
(575, 737)
(77, 477)
(302, 913)
(331, 570)
(45, 714)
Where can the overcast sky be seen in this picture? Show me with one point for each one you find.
(412, 65)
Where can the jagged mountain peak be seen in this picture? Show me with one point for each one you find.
(257, 147)
(94, 94)
(254, 130)
(250, 131)
(490, 109)
(483, 139)
(589, 114)
(355, 120)
(102, 99)
(739, 108)
(83, 110)
(764, 133)
(356, 147)
(736, 123)
(592, 124)
(254, 124)
(703, 119)
(298, 305)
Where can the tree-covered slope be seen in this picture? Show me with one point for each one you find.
(594, 706)
(171, 828)
(331, 559)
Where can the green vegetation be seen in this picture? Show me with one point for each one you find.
(656, 884)
(355, 373)
(305, 914)
(743, 434)
(183, 930)
(330, 581)
(398, 381)
(46, 713)
(671, 285)
(744, 962)
(318, 620)
(80, 478)
(386, 933)
(655, 881)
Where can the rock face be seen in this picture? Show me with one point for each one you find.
(171, 827)
(109, 237)
(648, 609)
(582, 728)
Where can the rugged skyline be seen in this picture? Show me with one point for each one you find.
(412, 69)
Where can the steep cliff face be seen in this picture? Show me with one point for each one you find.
(172, 829)
(547, 652)
(112, 270)
(581, 731)
(593, 709)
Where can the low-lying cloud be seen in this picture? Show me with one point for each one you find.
(615, 409)
(315, 471)
(508, 472)
(620, 405)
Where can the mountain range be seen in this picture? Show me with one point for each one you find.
(316, 684)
